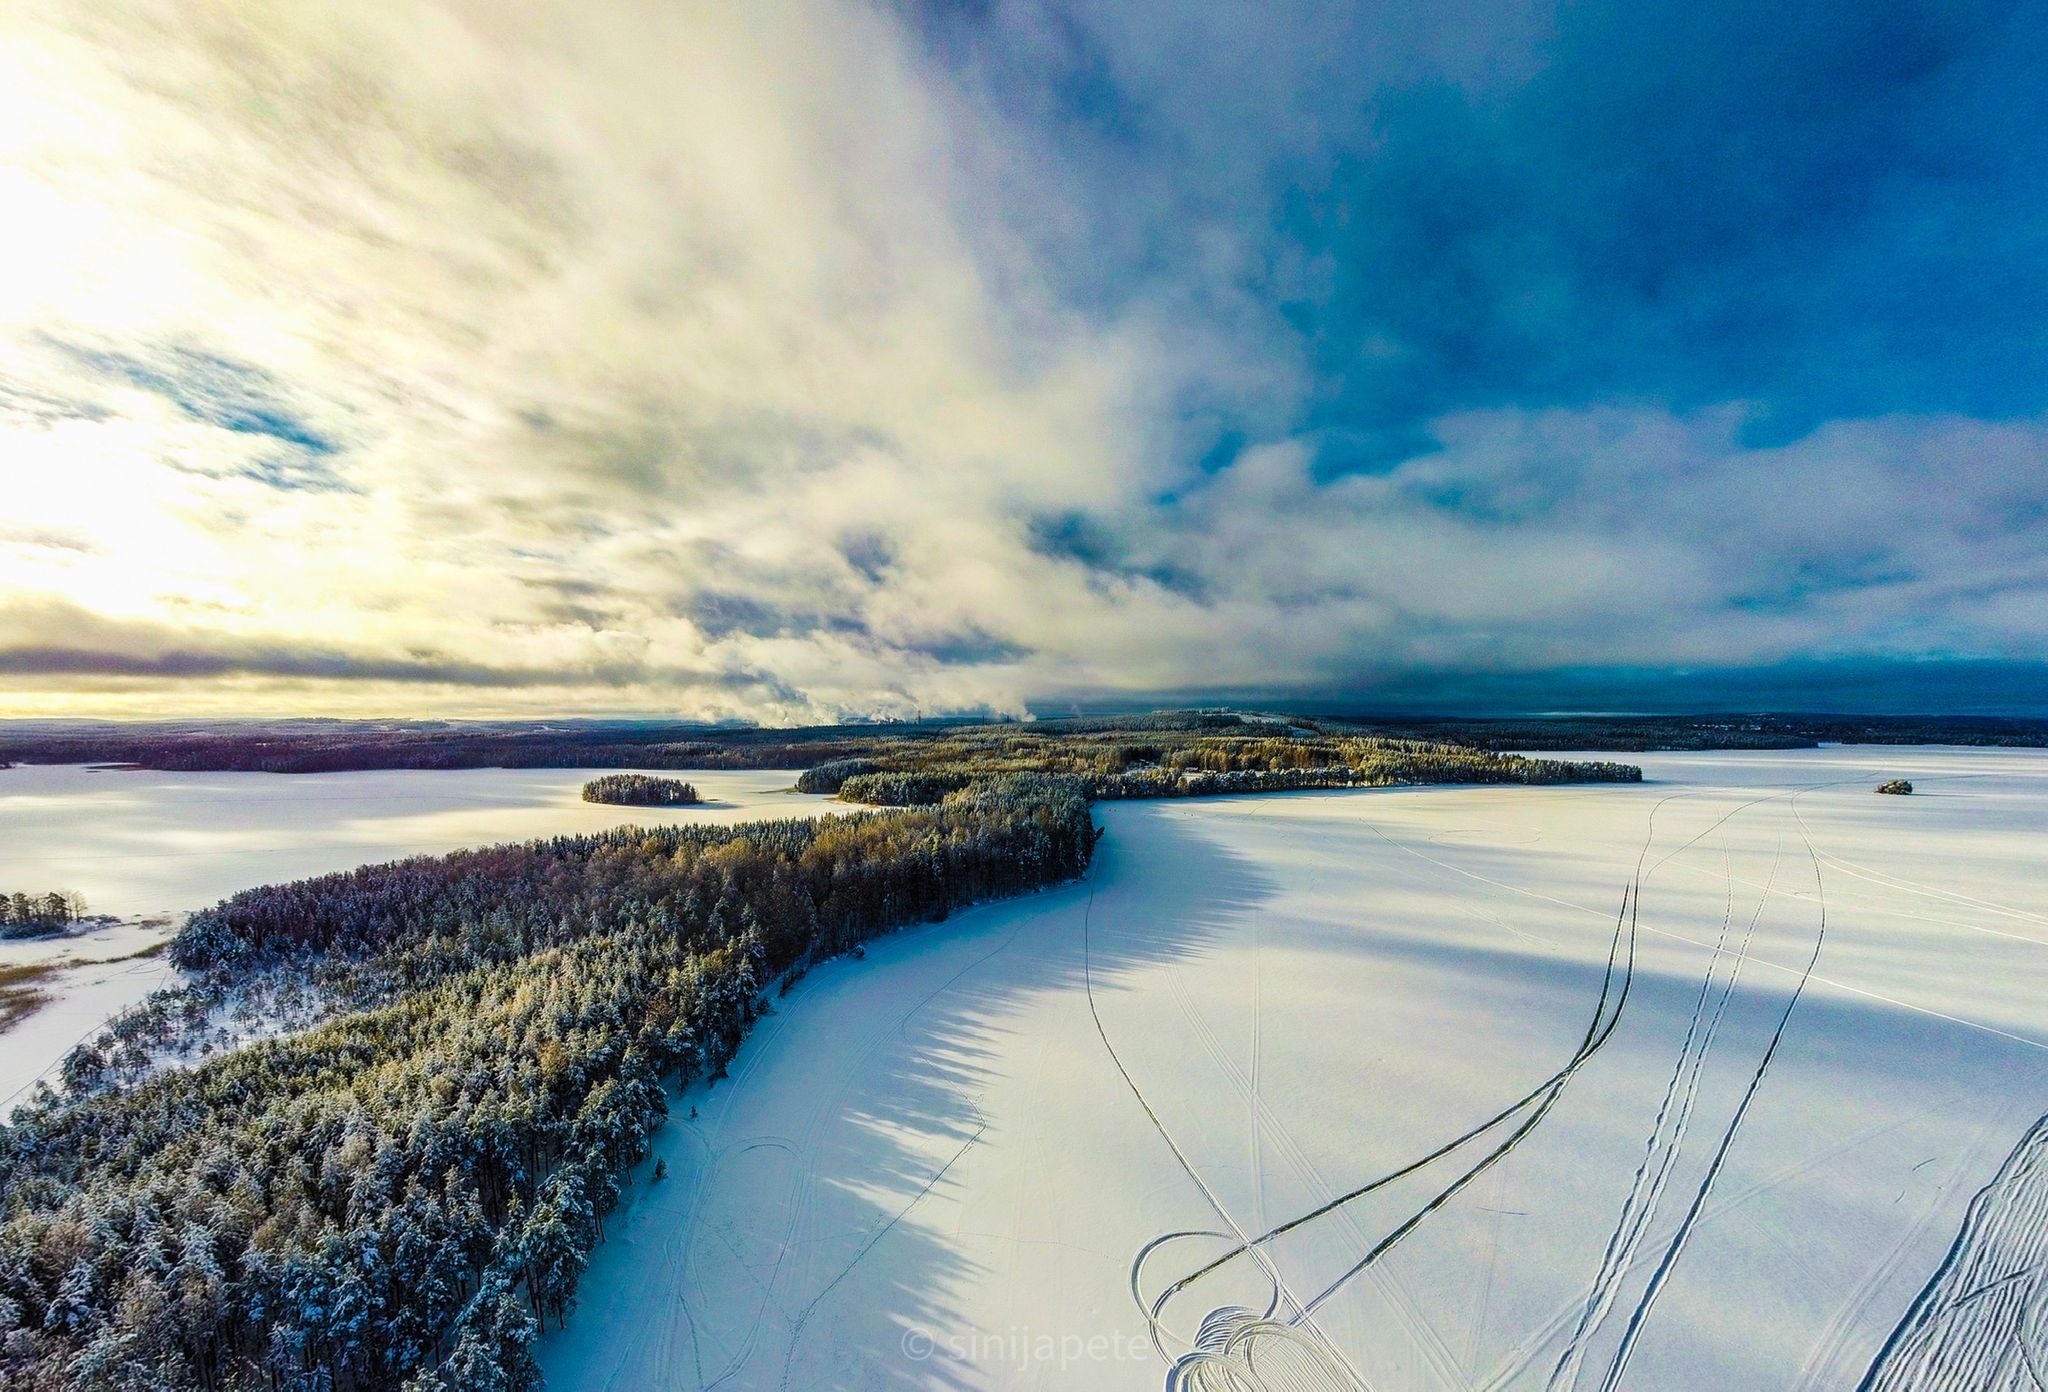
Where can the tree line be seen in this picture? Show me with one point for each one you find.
(398, 1197)
(25, 915)
(288, 746)
(1125, 764)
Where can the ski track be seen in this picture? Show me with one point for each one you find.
(1639, 1319)
(1640, 1203)
(1639, 1206)
(1890, 881)
(1521, 1356)
(1252, 1129)
(1980, 1324)
(1254, 1246)
(1631, 1228)
(803, 1317)
(1476, 1333)
(1817, 1370)
(1795, 972)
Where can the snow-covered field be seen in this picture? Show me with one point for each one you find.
(149, 846)
(1681, 1086)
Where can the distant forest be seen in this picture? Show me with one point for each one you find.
(319, 746)
(1641, 734)
(1146, 760)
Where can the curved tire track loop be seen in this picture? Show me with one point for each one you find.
(1429, 1344)
(1616, 983)
(1280, 1290)
(1537, 1101)
(1239, 1352)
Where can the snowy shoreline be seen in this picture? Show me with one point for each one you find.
(149, 848)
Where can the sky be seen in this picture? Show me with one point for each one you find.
(795, 360)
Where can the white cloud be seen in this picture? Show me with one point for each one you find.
(708, 359)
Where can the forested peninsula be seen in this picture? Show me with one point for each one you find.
(398, 1197)
(400, 1189)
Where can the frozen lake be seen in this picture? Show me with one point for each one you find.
(134, 841)
(1685, 1085)
(138, 843)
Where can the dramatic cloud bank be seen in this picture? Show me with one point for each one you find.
(803, 358)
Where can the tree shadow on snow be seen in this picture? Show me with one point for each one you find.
(784, 1247)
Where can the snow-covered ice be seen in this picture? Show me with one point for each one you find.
(941, 1166)
(148, 846)
(135, 841)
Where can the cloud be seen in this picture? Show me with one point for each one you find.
(186, 664)
(46, 646)
(812, 358)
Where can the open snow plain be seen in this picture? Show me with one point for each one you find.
(136, 843)
(1728, 1081)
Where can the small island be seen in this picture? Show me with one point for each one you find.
(1896, 785)
(640, 790)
